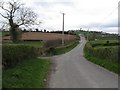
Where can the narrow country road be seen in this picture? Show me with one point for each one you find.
(74, 71)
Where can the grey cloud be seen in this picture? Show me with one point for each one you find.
(112, 23)
(56, 2)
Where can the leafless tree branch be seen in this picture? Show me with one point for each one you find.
(2, 6)
(18, 13)
(4, 16)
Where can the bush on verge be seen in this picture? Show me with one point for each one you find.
(13, 54)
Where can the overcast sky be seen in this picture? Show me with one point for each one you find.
(96, 15)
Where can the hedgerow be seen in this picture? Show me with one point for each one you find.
(14, 54)
(107, 53)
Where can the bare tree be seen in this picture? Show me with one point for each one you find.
(16, 14)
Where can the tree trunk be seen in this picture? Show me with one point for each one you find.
(13, 34)
(13, 30)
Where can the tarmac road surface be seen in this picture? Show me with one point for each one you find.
(74, 71)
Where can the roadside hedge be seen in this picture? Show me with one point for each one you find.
(14, 54)
(107, 53)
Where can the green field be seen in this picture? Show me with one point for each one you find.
(114, 47)
(104, 41)
(29, 74)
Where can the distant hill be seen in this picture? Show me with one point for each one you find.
(92, 35)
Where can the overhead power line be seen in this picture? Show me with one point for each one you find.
(100, 26)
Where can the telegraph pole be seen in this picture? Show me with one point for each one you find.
(87, 35)
(63, 30)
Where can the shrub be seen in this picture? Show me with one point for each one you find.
(50, 51)
(88, 48)
(107, 42)
(13, 54)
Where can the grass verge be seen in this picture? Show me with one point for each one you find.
(62, 50)
(114, 67)
(29, 74)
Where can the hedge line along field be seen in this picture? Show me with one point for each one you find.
(104, 41)
(104, 55)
